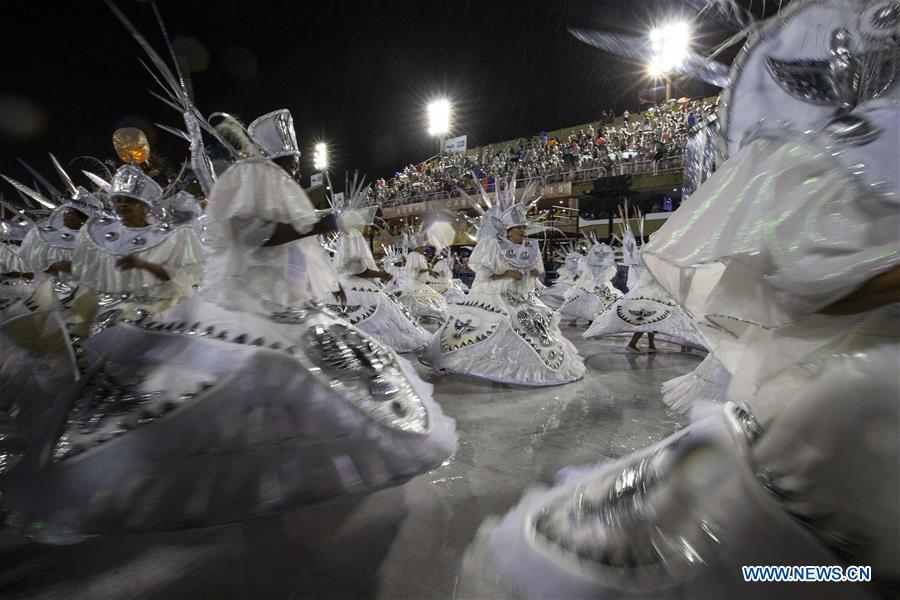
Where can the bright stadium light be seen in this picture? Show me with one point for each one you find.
(320, 157)
(669, 45)
(439, 117)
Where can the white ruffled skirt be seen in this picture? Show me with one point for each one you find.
(707, 384)
(584, 304)
(485, 336)
(208, 415)
(456, 292)
(380, 315)
(643, 311)
(555, 295)
(423, 302)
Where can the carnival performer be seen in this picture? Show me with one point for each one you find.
(49, 246)
(416, 295)
(790, 473)
(442, 280)
(136, 262)
(646, 309)
(593, 292)
(501, 331)
(368, 306)
(569, 260)
(454, 289)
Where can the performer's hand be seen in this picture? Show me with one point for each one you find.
(129, 262)
(385, 276)
(514, 275)
(61, 266)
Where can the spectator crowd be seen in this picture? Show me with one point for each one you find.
(656, 134)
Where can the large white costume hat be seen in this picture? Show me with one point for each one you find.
(274, 134)
(130, 182)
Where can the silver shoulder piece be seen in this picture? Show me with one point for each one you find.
(846, 79)
(806, 79)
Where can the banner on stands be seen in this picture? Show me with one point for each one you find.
(455, 145)
(315, 179)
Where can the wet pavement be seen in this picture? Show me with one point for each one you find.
(404, 542)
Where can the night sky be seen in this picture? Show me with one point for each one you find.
(356, 75)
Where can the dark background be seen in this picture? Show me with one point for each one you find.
(356, 75)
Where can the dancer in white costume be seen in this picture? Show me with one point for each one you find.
(416, 295)
(502, 332)
(593, 292)
(453, 290)
(368, 306)
(136, 263)
(800, 467)
(646, 308)
(440, 278)
(237, 402)
(569, 260)
(16, 278)
(49, 246)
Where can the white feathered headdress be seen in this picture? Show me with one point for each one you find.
(630, 244)
(352, 208)
(506, 210)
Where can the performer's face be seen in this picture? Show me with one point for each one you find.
(516, 234)
(74, 219)
(291, 165)
(132, 212)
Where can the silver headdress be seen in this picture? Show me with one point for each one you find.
(630, 244)
(599, 254)
(16, 227)
(78, 197)
(130, 182)
(274, 134)
(391, 255)
(510, 211)
(11, 230)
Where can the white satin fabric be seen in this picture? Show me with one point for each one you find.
(40, 250)
(10, 259)
(245, 205)
(180, 253)
(646, 301)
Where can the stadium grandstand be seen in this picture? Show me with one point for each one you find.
(644, 148)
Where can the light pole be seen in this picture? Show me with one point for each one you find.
(439, 120)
